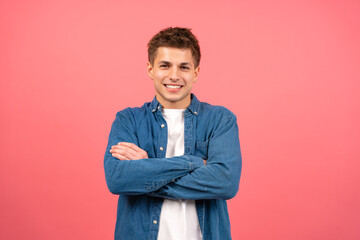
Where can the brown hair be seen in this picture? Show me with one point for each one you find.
(174, 37)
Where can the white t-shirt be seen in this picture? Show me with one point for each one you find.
(178, 218)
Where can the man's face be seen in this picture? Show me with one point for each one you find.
(174, 74)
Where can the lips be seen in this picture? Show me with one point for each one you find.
(173, 87)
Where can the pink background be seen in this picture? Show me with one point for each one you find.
(288, 69)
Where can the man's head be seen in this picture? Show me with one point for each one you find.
(176, 37)
(174, 56)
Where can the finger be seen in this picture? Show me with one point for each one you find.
(125, 152)
(119, 156)
(129, 152)
(131, 145)
(125, 148)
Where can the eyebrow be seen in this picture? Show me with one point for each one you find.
(163, 62)
(167, 62)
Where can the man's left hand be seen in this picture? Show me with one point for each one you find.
(128, 151)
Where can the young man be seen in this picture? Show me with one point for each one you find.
(175, 160)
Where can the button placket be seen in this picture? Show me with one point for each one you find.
(161, 153)
(188, 133)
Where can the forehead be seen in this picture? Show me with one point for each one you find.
(171, 54)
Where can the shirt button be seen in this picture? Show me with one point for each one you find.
(162, 125)
(195, 113)
(158, 107)
(161, 148)
(154, 222)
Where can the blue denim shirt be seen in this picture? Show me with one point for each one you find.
(210, 133)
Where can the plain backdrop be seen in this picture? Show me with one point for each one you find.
(289, 70)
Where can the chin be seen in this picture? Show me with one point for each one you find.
(173, 99)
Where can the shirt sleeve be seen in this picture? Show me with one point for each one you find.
(133, 177)
(219, 179)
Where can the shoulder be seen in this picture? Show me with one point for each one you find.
(216, 112)
(134, 111)
(215, 120)
(132, 114)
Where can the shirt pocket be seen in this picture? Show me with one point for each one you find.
(201, 149)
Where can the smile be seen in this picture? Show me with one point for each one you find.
(173, 86)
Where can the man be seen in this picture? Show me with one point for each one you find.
(175, 160)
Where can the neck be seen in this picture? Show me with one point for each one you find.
(182, 104)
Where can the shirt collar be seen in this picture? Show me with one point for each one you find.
(193, 107)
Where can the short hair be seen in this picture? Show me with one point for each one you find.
(175, 37)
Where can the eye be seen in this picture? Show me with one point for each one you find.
(163, 66)
(185, 67)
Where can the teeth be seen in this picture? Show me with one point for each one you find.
(172, 86)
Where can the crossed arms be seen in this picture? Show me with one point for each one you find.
(129, 171)
(129, 151)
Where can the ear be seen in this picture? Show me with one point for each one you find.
(150, 70)
(196, 73)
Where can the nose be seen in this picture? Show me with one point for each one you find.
(173, 74)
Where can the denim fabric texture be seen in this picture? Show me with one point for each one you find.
(211, 133)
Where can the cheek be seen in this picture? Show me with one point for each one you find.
(190, 79)
(159, 76)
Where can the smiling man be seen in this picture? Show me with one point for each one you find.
(174, 161)
(174, 72)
